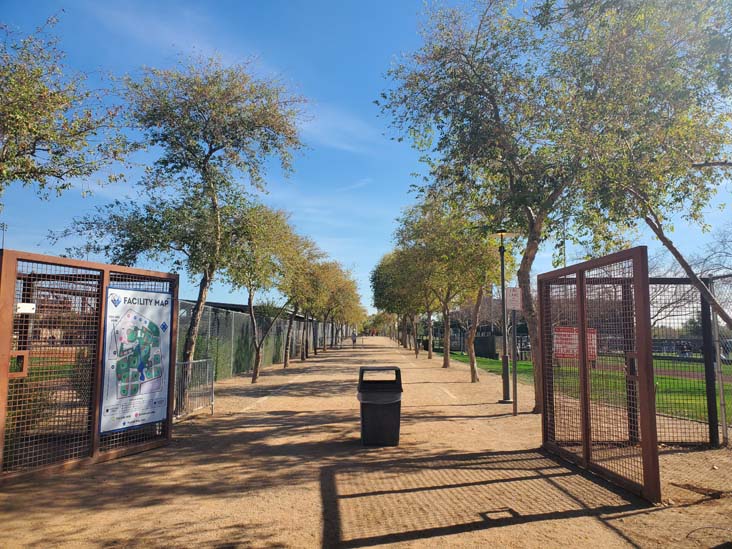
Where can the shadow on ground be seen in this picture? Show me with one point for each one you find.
(368, 504)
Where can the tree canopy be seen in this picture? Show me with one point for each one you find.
(53, 127)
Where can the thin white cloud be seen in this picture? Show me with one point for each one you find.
(357, 185)
(335, 128)
(183, 30)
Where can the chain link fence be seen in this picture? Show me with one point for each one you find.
(225, 337)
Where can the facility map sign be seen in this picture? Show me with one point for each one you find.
(136, 358)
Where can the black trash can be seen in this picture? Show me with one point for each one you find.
(381, 405)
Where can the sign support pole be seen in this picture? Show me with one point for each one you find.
(514, 363)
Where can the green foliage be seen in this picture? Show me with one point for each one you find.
(211, 125)
(261, 241)
(570, 120)
(589, 114)
(215, 120)
(445, 253)
(52, 127)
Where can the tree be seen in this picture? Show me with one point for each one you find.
(53, 128)
(332, 286)
(296, 281)
(477, 98)
(257, 258)
(213, 125)
(395, 283)
(657, 152)
(532, 109)
(176, 228)
(343, 306)
(462, 261)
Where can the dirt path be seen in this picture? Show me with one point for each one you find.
(280, 465)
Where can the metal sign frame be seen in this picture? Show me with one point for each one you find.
(12, 351)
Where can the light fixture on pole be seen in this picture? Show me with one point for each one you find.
(503, 233)
(3, 228)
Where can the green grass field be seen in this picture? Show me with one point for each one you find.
(674, 395)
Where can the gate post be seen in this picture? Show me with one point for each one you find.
(545, 362)
(7, 290)
(631, 364)
(644, 361)
(99, 366)
(709, 373)
(585, 385)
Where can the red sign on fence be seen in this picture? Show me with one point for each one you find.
(566, 342)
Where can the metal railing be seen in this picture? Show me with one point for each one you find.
(194, 387)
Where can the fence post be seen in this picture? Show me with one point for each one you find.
(211, 381)
(644, 348)
(546, 367)
(583, 369)
(720, 375)
(8, 266)
(709, 373)
(631, 363)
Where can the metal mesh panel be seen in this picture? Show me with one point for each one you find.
(194, 387)
(150, 431)
(595, 337)
(49, 410)
(678, 363)
(722, 289)
(561, 372)
(613, 375)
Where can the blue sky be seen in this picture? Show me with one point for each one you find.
(352, 180)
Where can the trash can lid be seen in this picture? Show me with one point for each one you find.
(379, 385)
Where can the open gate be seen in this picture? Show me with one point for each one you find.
(597, 369)
(52, 338)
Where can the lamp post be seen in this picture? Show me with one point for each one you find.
(3, 228)
(504, 359)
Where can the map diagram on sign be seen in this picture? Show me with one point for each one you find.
(135, 345)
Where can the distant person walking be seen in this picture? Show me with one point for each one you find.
(353, 339)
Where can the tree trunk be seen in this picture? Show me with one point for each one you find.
(414, 330)
(445, 337)
(189, 347)
(529, 311)
(429, 335)
(257, 363)
(288, 337)
(474, 377)
(255, 335)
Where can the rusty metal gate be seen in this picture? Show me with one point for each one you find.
(599, 405)
(52, 313)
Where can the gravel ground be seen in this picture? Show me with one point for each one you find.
(280, 464)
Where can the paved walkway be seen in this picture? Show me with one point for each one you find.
(280, 465)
